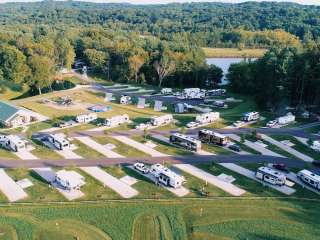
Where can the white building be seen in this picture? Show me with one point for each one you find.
(86, 118)
(161, 120)
(166, 176)
(316, 146)
(70, 180)
(13, 142)
(117, 120)
(59, 141)
(12, 116)
(310, 178)
(251, 116)
(289, 118)
(271, 176)
(207, 117)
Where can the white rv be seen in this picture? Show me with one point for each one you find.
(161, 120)
(86, 118)
(166, 91)
(70, 180)
(59, 141)
(185, 141)
(207, 117)
(125, 99)
(166, 177)
(316, 146)
(209, 136)
(13, 142)
(216, 92)
(117, 120)
(310, 178)
(289, 118)
(192, 93)
(271, 176)
(251, 116)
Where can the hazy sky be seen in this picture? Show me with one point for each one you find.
(315, 2)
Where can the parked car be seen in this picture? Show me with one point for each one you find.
(141, 167)
(272, 124)
(234, 147)
(192, 124)
(280, 166)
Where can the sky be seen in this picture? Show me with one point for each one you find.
(309, 2)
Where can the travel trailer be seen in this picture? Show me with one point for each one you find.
(70, 180)
(310, 178)
(13, 142)
(211, 137)
(86, 118)
(316, 146)
(166, 176)
(189, 143)
(125, 99)
(161, 120)
(251, 116)
(289, 118)
(271, 176)
(192, 93)
(166, 91)
(59, 141)
(207, 117)
(117, 120)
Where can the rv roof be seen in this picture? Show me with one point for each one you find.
(72, 177)
(272, 172)
(311, 174)
(60, 137)
(213, 133)
(14, 138)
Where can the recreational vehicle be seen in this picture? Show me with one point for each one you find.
(207, 117)
(13, 143)
(70, 180)
(185, 141)
(116, 120)
(289, 118)
(316, 146)
(211, 137)
(271, 176)
(86, 118)
(310, 178)
(125, 99)
(216, 92)
(59, 141)
(166, 91)
(192, 93)
(161, 120)
(166, 177)
(251, 116)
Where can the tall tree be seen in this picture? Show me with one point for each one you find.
(165, 66)
(135, 64)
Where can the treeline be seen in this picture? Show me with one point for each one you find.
(283, 77)
(248, 24)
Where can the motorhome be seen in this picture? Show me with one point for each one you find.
(86, 118)
(13, 142)
(125, 99)
(251, 116)
(70, 180)
(59, 141)
(192, 93)
(166, 176)
(161, 120)
(310, 178)
(207, 117)
(316, 146)
(165, 91)
(189, 143)
(117, 120)
(211, 137)
(289, 118)
(271, 176)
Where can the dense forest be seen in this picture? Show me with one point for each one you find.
(162, 45)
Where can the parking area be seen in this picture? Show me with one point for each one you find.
(10, 188)
(123, 189)
(25, 154)
(225, 186)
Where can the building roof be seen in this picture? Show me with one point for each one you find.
(7, 111)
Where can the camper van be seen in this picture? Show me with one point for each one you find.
(59, 141)
(189, 143)
(166, 176)
(116, 120)
(161, 120)
(211, 137)
(13, 143)
(207, 117)
(125, 99)
(271, 176)
(251, 116)
(310, 178)
(86, 118)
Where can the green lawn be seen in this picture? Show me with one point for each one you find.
(233, 52)
(85, 151)
(5, 154)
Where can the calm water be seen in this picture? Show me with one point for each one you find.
(224, 64)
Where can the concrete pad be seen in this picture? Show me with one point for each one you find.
(302, 140)
(213, 180)
(287, 149)
(129, 180)
(98, 147)
(10, 188)
(25, 183)
(25, 154)
(250, 174)
(115, 184)
(139, 146)
(226, 178)
(180, 192)
(68, 154)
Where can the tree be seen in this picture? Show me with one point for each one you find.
(165, 66)
(215, 75)
(96, 59)
(64, 53)
(135, 63)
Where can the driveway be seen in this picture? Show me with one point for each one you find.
(213, 180)
(25, 154)
(98, 147)
(10, 188)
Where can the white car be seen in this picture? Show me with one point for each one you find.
(141, 167)
(192, 124)
(272, 124)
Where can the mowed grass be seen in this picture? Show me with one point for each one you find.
(233, 52)
(85, 151)
(228, 218)
(7, 155)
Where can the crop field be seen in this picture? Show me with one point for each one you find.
(233, 52)
(221, 219)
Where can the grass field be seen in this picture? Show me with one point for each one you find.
(221, 219)
(233, 52)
